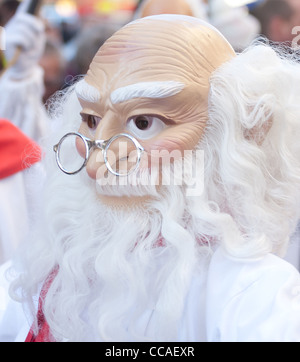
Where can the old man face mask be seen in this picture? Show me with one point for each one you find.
(150, 81)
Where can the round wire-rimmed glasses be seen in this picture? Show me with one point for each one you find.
(121, 153)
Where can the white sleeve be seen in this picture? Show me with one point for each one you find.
(14, 326)
(13, 214)
(255, 301)
(24, 81)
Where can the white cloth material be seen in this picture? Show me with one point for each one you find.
(199, 9)
(18, 203)
(22, 85)
(293, 251)
(232, 301)
(26, 32)
(21, 103)
(13, 214)
(253, 301)
(13, 323)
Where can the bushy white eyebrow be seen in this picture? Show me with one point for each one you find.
(146, 90)
(87, 92)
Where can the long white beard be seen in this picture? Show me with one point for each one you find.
(115, 265)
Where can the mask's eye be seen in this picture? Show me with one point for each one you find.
(142, 123)
(145, 127)
(91, 121)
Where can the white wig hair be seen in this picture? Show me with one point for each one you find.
(252, 150)
(112, 265)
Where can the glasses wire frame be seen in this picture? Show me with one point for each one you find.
(100, 144)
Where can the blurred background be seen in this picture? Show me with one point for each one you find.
(77, 28)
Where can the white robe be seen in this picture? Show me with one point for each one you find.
(13, 214)
(233, 301)
(18, 199)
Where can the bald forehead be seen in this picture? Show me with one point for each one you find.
(167, 47)
(164, 34)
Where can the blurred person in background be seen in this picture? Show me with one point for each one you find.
(8, 9)
(235, 23)
(54, 66)
(196, 8)
(52, 61)
(278, 18)
(87, 43)
(21, 82)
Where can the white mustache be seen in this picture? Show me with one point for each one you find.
(143, 182)
(185, 172)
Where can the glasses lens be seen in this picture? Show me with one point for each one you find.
(72, 153)
(122, 156)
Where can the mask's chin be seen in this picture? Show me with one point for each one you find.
(125, 202)
(135, 189)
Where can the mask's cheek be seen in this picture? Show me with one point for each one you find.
(80, 147)
(172, 143)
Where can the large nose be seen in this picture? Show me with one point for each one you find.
(120, 158)
(95, 164)
(107, 128)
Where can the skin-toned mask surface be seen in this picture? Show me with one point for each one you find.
(144, 83)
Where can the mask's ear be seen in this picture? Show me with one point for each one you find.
(259, 132)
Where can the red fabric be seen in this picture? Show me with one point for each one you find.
(17, 151)
(43, 334)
